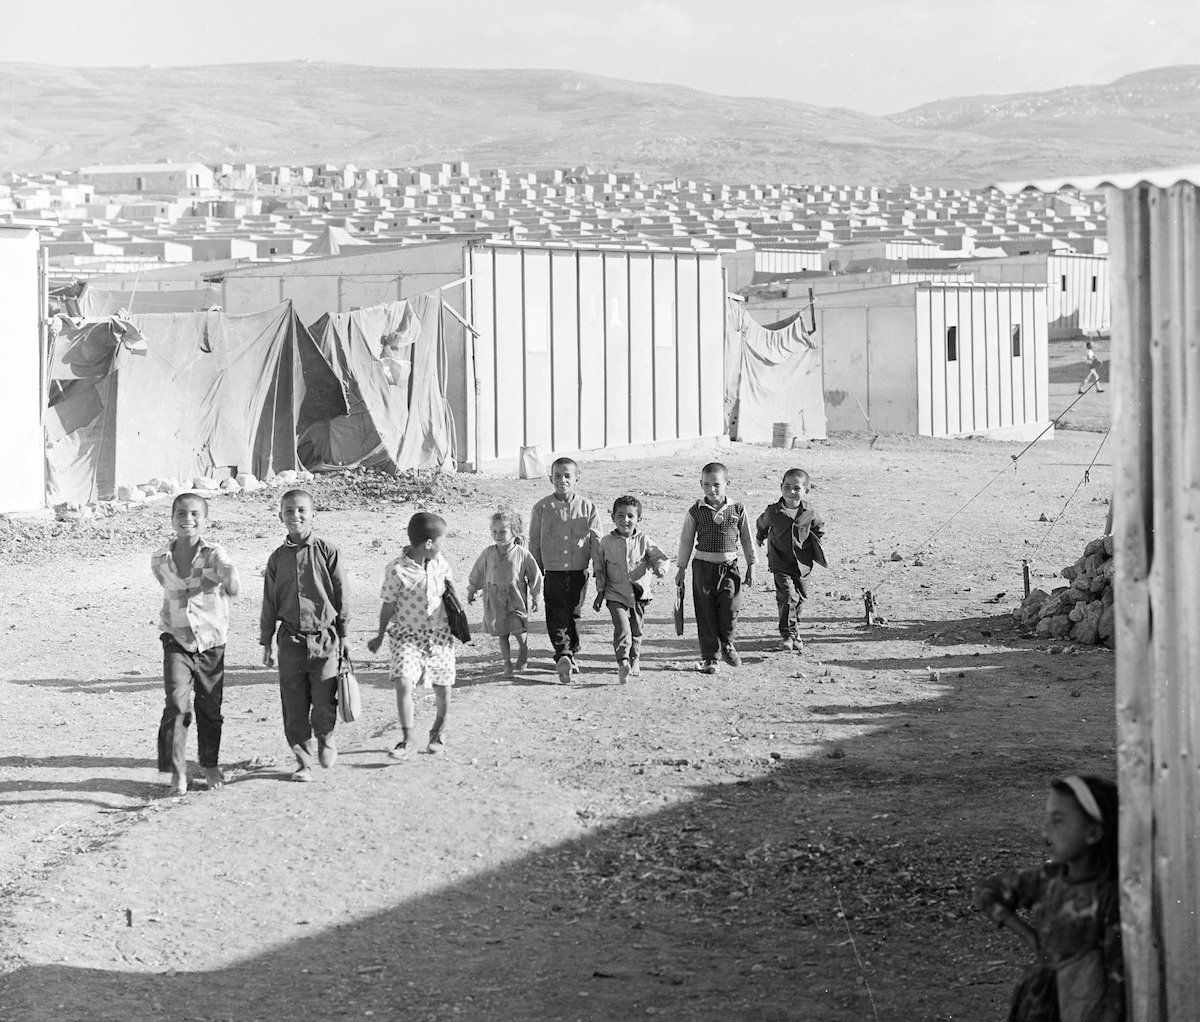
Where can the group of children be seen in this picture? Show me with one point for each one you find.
(306, 609)
(1073, 900)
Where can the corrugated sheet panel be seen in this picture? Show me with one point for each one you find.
(1092, 182)
(1154, 228)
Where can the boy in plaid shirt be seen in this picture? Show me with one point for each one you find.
(198, 579)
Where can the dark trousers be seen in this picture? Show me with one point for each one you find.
(564, 593)
(184, 671)
(791, 590)
(717, 598)
(308, 667)
(627, 629)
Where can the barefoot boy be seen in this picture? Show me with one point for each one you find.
(715, 527)
(564, 529)
(198, 579)
(304, 591)
(793, 532)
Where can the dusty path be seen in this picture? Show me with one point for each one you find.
(792, 840)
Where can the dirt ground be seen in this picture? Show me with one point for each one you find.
(795, 839)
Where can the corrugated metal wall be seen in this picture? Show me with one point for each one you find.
(590, 349)
(997, 379)
(1155, 236)
(1077, 296)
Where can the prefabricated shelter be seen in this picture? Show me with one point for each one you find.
(334, 284)
(931, 358)
(179, 396)
(1077, 299)
(570, 348)
(588, 349)
(136, 178)
(22, 462)
(1154, 230)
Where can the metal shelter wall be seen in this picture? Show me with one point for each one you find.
(22, 454)
(1155, 237)
(595, 349)
(998, 376)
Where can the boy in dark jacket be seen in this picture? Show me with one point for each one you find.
(793, 532)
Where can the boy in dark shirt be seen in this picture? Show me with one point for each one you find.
(793, 531)
(304, 590)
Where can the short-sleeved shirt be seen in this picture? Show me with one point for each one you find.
(195, 607)
(416, 588)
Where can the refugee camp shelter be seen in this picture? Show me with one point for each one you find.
(934, 358)
(1154, 232)
(179, 396)
(22, 463)
(138, 178)
(569, 348)
(1077, 298)
(367, 275)
(587, 349)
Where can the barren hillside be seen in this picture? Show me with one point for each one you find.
(316, 112)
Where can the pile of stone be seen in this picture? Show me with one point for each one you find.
(1082, 611)
(243, 482)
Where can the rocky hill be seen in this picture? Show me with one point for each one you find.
(301, 112)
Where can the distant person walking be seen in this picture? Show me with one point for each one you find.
(1093, 373)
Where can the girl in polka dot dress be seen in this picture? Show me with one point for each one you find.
(414, 619)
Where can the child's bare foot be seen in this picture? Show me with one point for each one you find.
(178, 785)
(213, 778)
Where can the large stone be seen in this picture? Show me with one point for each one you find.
(1077, 612)
(1071, 570)
(1107, 623)
(130, 494)
(1096, 546)
(1108, 545)
(1052, 606)
(1060, 626)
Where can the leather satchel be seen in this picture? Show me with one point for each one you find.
(456, 615)
(348, 697)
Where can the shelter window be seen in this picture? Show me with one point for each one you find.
(1093, 285)
(1016, 341)
(951, 344)
(1063, 280)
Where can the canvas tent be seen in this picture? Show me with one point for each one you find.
(390, 361)
(772, 375)
(179, 396)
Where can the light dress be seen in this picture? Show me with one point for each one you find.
(509, 580)
(419, 636)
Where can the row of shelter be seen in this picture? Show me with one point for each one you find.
(601, 350)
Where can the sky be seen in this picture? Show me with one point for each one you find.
(875, 56)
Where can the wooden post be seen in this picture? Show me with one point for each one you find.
(1025, 572)
(812, 310)
(868, 607)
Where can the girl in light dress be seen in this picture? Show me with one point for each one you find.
(511, 583)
